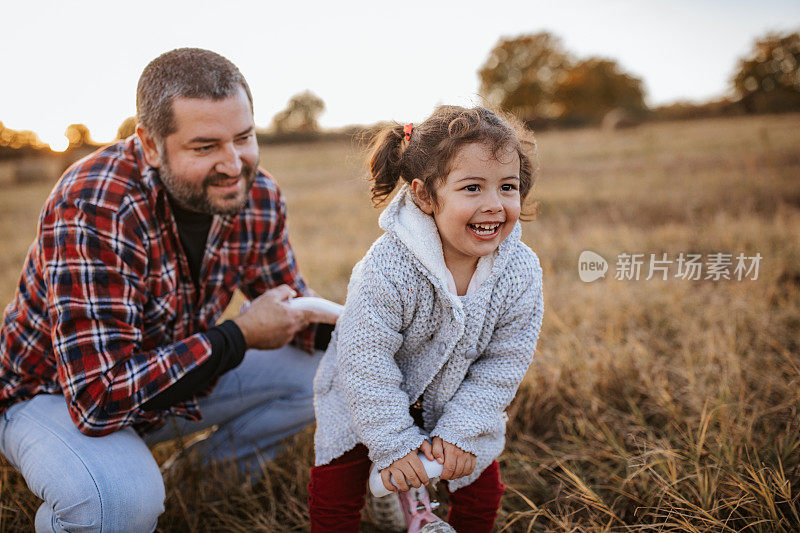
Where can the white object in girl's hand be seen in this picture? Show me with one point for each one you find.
(433, 469)
(313, 303)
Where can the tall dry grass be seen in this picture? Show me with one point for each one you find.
(651, 405)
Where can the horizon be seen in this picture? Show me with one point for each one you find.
(365, 65)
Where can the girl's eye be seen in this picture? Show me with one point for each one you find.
(508, 187)
(472, 188)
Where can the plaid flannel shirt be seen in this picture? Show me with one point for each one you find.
(106, 312)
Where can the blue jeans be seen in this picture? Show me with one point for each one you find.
(112, 483)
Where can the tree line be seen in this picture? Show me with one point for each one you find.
(535, 78)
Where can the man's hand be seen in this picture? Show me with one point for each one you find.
(407, 470)
(269, 322)
(457, 463)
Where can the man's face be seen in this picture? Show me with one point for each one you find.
(209, 164)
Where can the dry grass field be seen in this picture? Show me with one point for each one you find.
(652, 405)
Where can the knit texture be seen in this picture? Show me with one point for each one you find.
(403, 335)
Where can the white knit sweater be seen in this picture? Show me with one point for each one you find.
(403, 335)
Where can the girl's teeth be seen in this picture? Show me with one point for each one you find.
(484, 229)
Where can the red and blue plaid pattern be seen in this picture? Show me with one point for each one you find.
(106, 312)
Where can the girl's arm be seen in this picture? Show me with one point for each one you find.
(368, 339)
(492, 380)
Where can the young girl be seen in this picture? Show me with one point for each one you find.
(440, 324)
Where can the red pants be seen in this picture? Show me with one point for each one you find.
(336, 495)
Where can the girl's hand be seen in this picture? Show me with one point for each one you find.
(407, 470)
(457, 463)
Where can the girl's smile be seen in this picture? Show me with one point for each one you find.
(477, 204)
(485, 230)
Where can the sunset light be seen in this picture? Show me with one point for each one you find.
(57, 143)
(363, 64)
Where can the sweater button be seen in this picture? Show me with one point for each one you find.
(471, 354)
(442, 348)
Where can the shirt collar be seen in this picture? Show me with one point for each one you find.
(149, 177)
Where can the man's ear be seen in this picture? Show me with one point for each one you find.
(150, 147)
(424, 200)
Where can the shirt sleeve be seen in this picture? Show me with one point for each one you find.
(227, 351)
(281, 269)
(477, 408)
(95, 267)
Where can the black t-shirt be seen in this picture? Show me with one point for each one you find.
(227, 342)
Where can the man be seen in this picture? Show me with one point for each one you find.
(112, 330)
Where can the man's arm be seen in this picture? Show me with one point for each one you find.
(227, 351)
(280, 266)
(95, 265)
(268, 323)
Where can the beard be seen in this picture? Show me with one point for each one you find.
(195, 197)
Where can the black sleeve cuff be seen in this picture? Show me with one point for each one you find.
(322, 337)
(227, 339)
(227, 351)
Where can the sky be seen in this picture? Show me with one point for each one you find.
(68, 62)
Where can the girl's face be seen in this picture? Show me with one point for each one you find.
(478, 202)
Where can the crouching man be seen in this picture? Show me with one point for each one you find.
(113, 329)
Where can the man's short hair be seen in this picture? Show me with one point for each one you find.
(183, 73)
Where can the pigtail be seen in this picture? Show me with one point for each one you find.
(384, 162)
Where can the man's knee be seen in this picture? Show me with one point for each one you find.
(109, 483)
(102, 502)
(133, 503)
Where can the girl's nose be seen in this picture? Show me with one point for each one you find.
(492, 203)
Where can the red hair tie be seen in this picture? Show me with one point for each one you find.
(407, 129)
